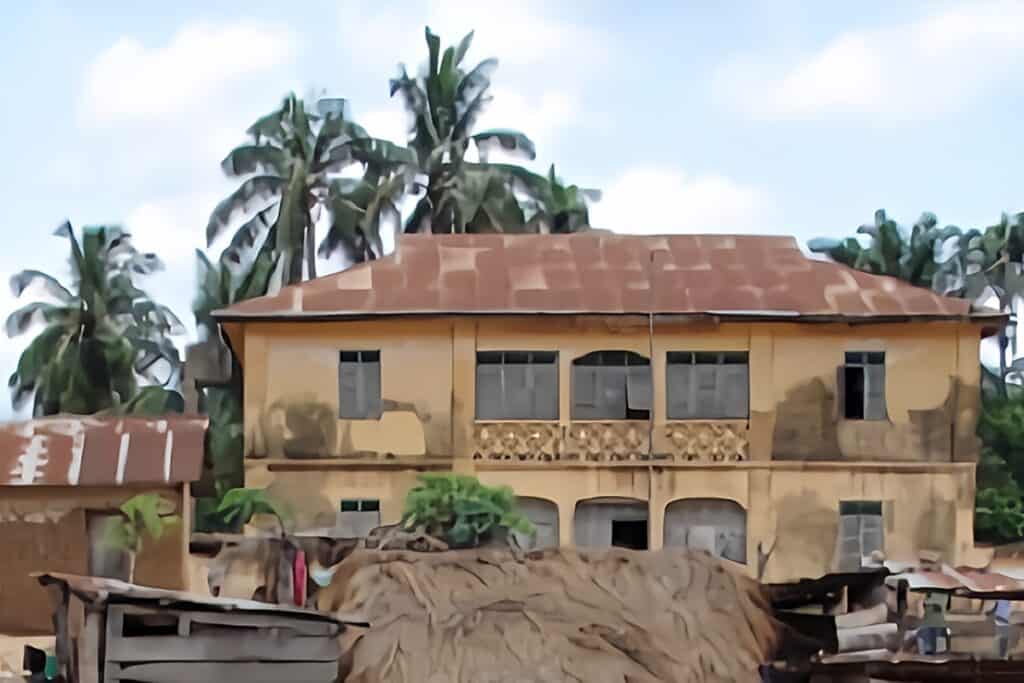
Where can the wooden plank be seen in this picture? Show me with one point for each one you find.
(115, 625)
(89, 647)
(224, 647)
(242, 619)
(228, 672)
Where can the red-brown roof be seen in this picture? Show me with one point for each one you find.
(601, 273)
(92, 451)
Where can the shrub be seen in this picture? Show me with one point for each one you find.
(147, 514)
(462, 511)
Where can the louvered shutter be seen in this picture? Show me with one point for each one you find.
(874, 400)
(517, 391)
(734, 391)
(545, 391)
(488, 391)
(638, 387)
(372, 403)
(871, 538)
(611, 393)
(348, 391)
(680, 392)
(707, 391)
(584, 392)
(849, 543)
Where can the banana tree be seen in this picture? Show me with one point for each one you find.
(445, 104)
(101, 336)
(291, 171)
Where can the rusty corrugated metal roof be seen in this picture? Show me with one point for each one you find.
(95, 589)
(602, 273)
(92, 451)
(966, 581)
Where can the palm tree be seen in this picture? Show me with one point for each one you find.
(101, 336)
(445, 104)
(292, 175)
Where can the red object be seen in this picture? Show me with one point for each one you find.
(299, 574)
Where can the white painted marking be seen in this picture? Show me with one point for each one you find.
(77, 449)
(30, 461)
(168, 449)
(122, 458)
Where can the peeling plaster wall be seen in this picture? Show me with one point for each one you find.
(291, 389)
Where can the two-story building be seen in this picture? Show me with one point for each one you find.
(719, 392)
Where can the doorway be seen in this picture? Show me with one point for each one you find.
(629, 533)
(604, 522)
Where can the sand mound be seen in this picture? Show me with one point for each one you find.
(489, 616)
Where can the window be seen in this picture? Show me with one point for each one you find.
(611, 385)
(517, 385)
(860, 532)
(708, 385)
(713, 524)
(357, 518)
(359, 385)
(106, 560)
(862, 386)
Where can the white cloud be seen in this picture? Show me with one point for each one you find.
(538, 116)
(650, 200)
(172, 226)
(923, 68)
(389, 124)
(132, 81)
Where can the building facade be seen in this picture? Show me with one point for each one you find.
(717, 392)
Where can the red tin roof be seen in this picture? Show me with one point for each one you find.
(603, 273)
(92, 451)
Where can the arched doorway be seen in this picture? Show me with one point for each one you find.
(713, 524)
(544, 516)
(603, 522)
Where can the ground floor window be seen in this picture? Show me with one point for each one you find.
(619, 522)
(544, 516)
(357, 517)
(713, 524)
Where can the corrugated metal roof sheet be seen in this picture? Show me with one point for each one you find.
(92, 451)
(96, 589)
(966, 581)
(602, 273)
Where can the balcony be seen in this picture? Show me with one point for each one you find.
(611, 441)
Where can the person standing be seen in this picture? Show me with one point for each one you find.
(1001, 616)
(933, 624)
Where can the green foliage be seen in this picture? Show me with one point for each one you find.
(147, 514)
(999, 515)
(458, 195)
(101, 337)
(237, 506)
(461, 510)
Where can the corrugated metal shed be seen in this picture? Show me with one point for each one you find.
(92, 451)
(748, 276)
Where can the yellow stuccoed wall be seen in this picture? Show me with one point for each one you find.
(788, 466)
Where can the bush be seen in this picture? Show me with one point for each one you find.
(146, 514)
(462, 511)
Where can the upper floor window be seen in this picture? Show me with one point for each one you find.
(862, 385)
(359, 385)
(611, 385)
(517, 385)
(708, 385)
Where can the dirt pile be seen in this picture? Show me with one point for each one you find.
(490, 616)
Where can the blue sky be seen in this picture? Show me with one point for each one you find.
(771, 117)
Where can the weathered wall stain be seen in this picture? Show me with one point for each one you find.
(936, 527)
(808, 427)
(805, 530)
(805, 424)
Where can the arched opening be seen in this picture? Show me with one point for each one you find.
(716, 525)
(611, 385)
(603, 522)
(544, 516)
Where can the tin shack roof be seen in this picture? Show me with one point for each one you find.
(964, 581)
(92, 451)
(729, 276)
(97, 590)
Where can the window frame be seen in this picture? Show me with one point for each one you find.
(366, 364)
(625, 373)
(872, 368)
(532, 363)
(860, 511)
(696, 362)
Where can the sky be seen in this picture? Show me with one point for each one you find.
(772, 117)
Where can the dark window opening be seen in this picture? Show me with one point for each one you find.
(862, 386)
(630, 534)
(360, 505)
(854, 398)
